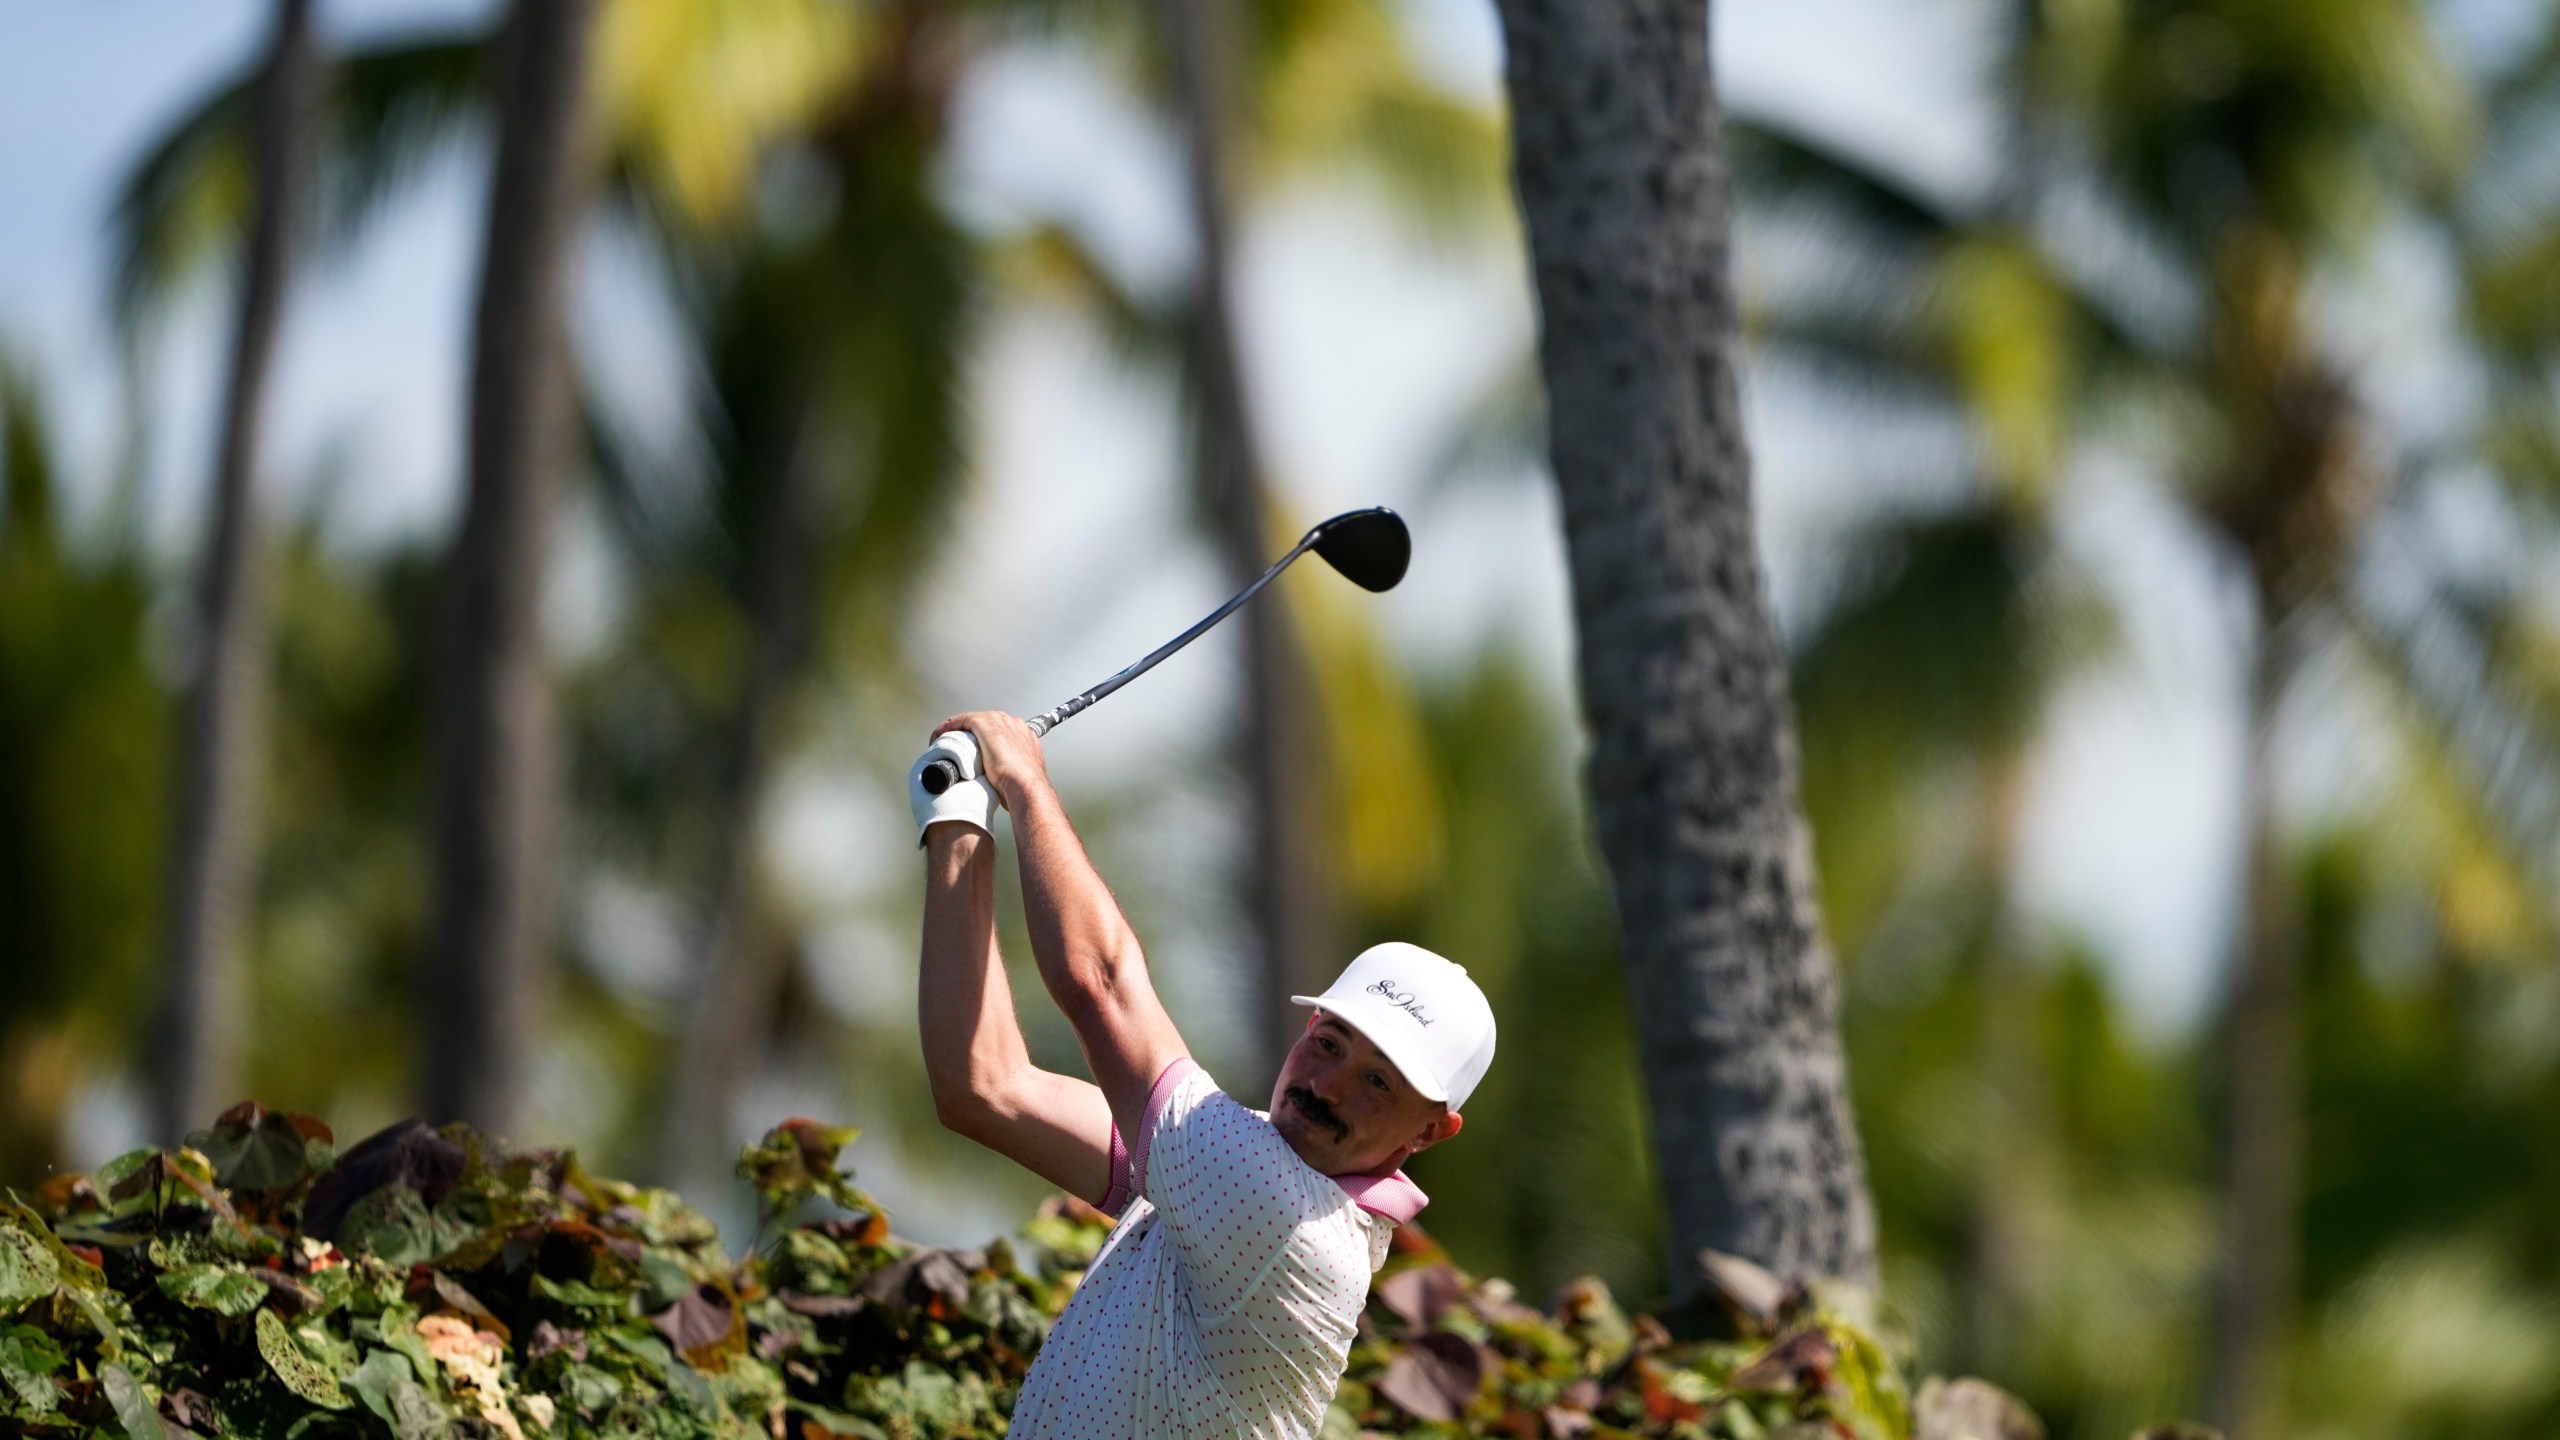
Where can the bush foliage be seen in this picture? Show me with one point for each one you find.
(257, 1282)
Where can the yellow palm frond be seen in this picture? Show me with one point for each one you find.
(694, 90)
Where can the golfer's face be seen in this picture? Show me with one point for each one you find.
(1343, 1107)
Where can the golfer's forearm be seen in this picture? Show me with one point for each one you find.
(973, 1046)
(1087, 954)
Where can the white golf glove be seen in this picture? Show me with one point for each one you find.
(968, 801)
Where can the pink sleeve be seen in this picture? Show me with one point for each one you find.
(1116, 1199)
(1157, 1094)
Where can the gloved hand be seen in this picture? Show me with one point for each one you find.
(968, 801)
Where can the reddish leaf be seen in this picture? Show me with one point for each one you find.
(597, 1241)
(863, 1230)
(1661, 1406)
(432, 1290)
(185, 1407)
(243, 1116)
(699, 1321)
(1650, 1336)
(1564, 1424)
(66, 1192)
(290, 1296)
(822, 1307)
(408, 1153)
(921, 1279)
(1421, 1295)
(548, 1337)
(1435, 1376)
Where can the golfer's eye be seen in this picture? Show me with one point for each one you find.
(1377, 1082)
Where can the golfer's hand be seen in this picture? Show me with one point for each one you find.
(1008, 753)
(966, 804)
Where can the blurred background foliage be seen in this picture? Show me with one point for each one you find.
(2195, 201)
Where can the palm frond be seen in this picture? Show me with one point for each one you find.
(1052, 263)
(387, 109)
(2468, 681)
(694, 91)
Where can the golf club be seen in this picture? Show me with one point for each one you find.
(1369, 547)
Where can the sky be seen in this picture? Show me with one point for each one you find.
(1364, 345)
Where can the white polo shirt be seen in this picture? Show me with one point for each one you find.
(1225, 1301)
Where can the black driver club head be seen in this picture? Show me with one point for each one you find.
(1370, 547)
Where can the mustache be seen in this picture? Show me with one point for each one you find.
(1316, 1110)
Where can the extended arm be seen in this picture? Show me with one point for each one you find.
(984, 1084)
(1088, 956)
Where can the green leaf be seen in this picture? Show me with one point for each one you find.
(415, 1415)
(666, 1279)
(27, 1271)
(223, 1289)
(392, 1224)
(295, 1366)
(372, 1381)
(254, 1148)
(399, 1330)
(844, 1424)
(683, 1382)
(590, 1389)
(28, 1358)
(797, 1159)
(579, 1295)
(73, 1272)
(133, 1408)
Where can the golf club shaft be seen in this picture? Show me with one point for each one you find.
(941, 775)
(1047, 721)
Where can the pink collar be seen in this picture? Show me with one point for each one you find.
(1393, 1196)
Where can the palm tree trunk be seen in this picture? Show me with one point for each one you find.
(1290, 902)
(495, 800)
(734, 1000)
(221, 736)
(2262, 1122)
(1618, 157)
(2013, 1180)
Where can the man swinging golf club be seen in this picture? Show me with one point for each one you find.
(1225, 1301)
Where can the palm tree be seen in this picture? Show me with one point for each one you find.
(495, 807)
(220, 738)
(1620, 168)
(1290, 903)
(835, 363)
(2231, 162)
(681, 138)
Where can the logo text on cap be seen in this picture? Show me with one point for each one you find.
(1405, 1000)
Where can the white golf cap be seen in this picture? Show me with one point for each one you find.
(1421, 1011)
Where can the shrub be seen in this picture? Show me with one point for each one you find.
(431, 1283)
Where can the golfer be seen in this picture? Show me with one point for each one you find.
(1225, 1300)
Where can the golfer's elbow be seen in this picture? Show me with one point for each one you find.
(968, 1104)
(1100, 979)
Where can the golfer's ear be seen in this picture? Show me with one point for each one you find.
(1440, 1129)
